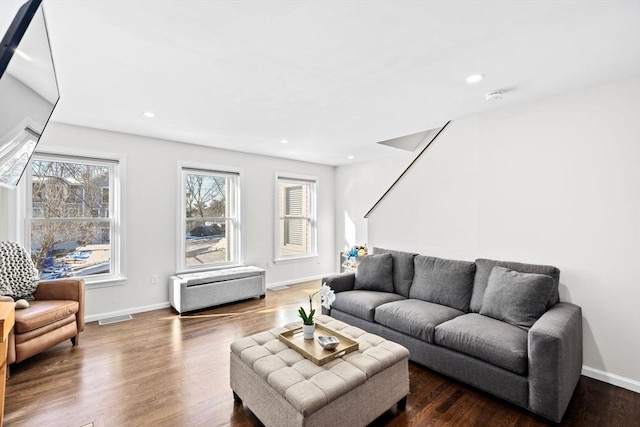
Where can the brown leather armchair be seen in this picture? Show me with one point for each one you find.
(56, 314)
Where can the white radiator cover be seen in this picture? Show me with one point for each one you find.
(193, 291)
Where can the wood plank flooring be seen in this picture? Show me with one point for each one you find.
(162, 369)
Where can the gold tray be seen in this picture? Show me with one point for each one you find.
(314, 351)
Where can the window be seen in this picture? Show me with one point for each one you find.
(14, 155)
(296, 223)
(71, 230)
(210, 215)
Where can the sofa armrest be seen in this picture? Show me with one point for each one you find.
(64, 289)
(340, 282)
(555, 359)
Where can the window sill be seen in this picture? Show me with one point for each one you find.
(106, 282)
(295, 259)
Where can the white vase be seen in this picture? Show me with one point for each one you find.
(307, 331)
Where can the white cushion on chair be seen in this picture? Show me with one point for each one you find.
(18, 275)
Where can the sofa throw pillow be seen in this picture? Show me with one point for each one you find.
(18, 274)
(402, 269)
(516, 298)
(485, 266)
(375, 273)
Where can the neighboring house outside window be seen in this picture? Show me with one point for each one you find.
(71, 230)
(296, 225)
(210, 219)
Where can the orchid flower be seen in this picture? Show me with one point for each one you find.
(327, 297)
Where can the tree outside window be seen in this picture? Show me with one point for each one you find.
(71, 227)
(210, 219)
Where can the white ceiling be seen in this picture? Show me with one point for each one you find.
(331, 77)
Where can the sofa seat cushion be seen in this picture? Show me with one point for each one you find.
(485, 338)
(363, 304)
(42, 313)
(415, 317)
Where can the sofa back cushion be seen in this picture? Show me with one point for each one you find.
(402, 270)
(443, 281)
(483, 270)
(516, 298)
(374, 273)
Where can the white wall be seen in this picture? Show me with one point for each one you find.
(19, 102)
(358, 188)
(555, 182)
(150, 212)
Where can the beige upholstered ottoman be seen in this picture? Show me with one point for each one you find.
(282, 388)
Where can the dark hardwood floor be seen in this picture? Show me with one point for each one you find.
(162, 369)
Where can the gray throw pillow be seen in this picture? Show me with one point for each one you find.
(485, 266)
(375, 273)
(402, 269)
(516, 298)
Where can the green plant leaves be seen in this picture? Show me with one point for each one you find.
(307, 319)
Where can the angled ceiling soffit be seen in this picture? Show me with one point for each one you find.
(412, 142)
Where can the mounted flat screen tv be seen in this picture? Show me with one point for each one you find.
(28, 86)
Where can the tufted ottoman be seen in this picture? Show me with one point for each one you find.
(282, 388)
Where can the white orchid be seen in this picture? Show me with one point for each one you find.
(327, 297)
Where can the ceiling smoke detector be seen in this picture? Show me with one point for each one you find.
(494, 96)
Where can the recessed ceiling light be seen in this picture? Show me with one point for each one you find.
(284, 141)
(475, 78)
(350, 157)
(148, 114)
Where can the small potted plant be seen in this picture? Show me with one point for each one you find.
(327, 297)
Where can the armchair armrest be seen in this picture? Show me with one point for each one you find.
(64, 289)
(555, 359)
(4, 298)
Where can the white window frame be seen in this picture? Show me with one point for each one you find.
(237, 254)
(312, 181)
(116, 163)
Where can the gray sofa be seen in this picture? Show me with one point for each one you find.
(496, 325)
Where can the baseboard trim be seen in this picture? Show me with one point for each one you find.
(142, 309)
(134, 310)
(612, 379)
(295, 281)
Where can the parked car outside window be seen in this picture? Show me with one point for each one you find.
(207, 230)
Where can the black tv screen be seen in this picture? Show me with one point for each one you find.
(28, 87)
